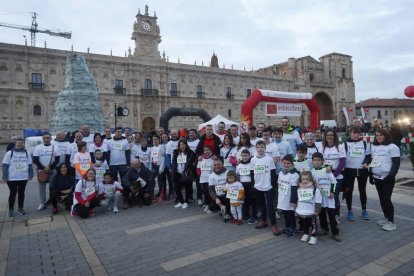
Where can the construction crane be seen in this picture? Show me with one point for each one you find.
(33, 30)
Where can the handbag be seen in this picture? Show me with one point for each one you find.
(42, 176)
(187, 177)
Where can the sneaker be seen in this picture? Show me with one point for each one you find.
(233, 221)
(261, 224)
(382, 222)
(277, 215)
(55, 211)
(178, 205)
(21, 212)
(222, 210)
(322, 232)
(206, 208)
(126, 205)
(350, 216)
(338, 219)
(305, 238)
(73, 213)
(313, 240)
(365, 215)
(226, 218)
(11, 213)
(389, 226)
(91, 212)
(209, 211)
(115, 209)
(239, 222)
(41, 207)
(337, 238)
(251, 221)
(185, 206)
(275, 230)
(200, 202)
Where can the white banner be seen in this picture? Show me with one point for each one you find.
(286, 95)
(364, 117)
(283, 109)
(346, 115)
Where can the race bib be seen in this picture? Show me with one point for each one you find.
(110, 190)
(142, 182)
(357, 153)
(206, 166)
(182, 159)
(89, 190)
(154, 154)
(144, 159)
(99, 173)
(19, 167)
(259, 169)
(232, 194)
(375, 163)
(305, 194)
(329, 163)
(283, 188)
(244, 171)
(118, 146)
(325, 190)
(227, 163)
(85, 167)
(219, 190)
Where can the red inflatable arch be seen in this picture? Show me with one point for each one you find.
(260, 95)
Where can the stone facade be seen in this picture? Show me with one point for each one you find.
(147, 84)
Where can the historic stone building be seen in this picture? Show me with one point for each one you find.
(148, 84)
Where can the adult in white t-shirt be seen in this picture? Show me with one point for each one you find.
(290, 135)
(46, 157)
(87, 136)
(119, 154)
(62, 145)
(384, 167)
(17, 170)
(216, 184)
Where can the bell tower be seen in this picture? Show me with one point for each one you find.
(146, 34)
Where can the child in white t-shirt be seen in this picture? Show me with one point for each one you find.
(100, 166)
(287, 190)
(244, 171)
(110, 192)
(301, 162)
(308, 206)
(235, 193)
(204, 169)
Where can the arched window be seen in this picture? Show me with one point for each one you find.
(37, 110)
(343, 72)
(311, 77)
(148, 84)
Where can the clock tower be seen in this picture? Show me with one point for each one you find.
(146, 34)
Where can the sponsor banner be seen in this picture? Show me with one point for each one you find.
(283, 109)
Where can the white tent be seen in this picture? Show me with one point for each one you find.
(216, 120)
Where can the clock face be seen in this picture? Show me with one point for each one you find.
(125, 112)
(146, 25)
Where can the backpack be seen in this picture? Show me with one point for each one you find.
(11, 155)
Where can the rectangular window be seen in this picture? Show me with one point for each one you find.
(37, 81)
(173, 87)
(199, 88)
(228, 90)
(386, 112)
(249, 92)
(119, 84)
(379, 114)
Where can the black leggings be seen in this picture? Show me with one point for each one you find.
(55, 196)
(309, 225)
(16, 188)
(290, 219)
(350, 175)
(179, 185)
(249, 209)
(328, 212)
(83, 211)
(384, 190)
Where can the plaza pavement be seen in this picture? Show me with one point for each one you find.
(161, 240)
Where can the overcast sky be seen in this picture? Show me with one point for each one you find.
(379, 35)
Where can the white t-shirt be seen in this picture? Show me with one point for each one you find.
(331, 157)
(144, 156)
(193, 144)
(93, 147)
(302, 165)
(255, 140)
(18, 165)
(237, 152)
(109, 189)
(309, 154)
(206, 167)
(272, 150)
(307, 198)
(88, 139)
(86, 188)
(219, 181)
(261, 168)
(100, 171)
(154, 154)
(356, 153)
(293, 139)
(324, 182)
(381, 159)
(45, 154)
(284, 148)
(236, 140)
(285, 184)
(171, 147)
(234, 188)
(226, 151)
(84, 160)
(117, 149)
(243, 171)
(63, 148)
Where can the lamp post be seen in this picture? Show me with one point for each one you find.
(115, 114)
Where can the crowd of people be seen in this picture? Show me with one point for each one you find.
(252, 177)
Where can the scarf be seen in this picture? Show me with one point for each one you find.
(306, 185)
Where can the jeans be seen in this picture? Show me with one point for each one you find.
(16, 188)
(115, 169)
(114, 199)
(336, 196)
(264, 201)
(328, 212)
(249, 205)
(206, 193)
